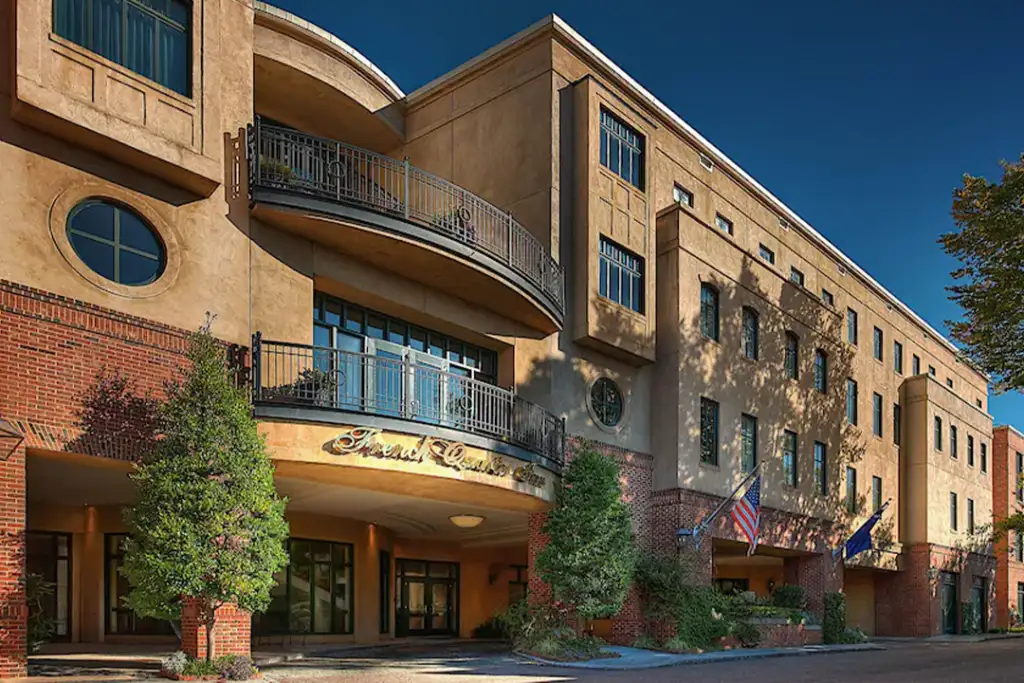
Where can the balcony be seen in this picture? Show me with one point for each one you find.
(359, 202)
(319, 384)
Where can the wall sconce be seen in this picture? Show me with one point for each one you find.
(771, 586)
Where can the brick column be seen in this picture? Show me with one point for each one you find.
(538, 591)
(13, 610)
(231, 632)
(817, 575)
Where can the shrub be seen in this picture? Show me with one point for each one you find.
(646, 642)
(676, 645)
(40, 626)
(527, 625)
(235, 667)
(200, 667)
(971, 618)
(791, 596)
(175, 663)
(663, 582)
(746, 633)
(833, 626)
(580, 647)
(495, 627)
(702, 617)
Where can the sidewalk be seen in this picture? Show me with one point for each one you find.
(977, 638)
(631, 658)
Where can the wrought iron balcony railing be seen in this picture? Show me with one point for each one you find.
(285, 159)
(402, 388)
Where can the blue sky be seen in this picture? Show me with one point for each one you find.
(860, 115)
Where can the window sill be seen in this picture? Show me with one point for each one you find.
(710, 466)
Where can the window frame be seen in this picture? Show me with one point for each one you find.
(751, 330)
(897, 423)
(790, 458)
(897, 357)
(677, 190)
(915, 364)
(828, 297)
(954, 512)
(724, 224)
(791, 355)
(878, 343)
(937, 433)
(117, 209)
(821, 467)
(851, 327)
(710, 306)
(970, 515)
(876, 493)
(611, 128)
(709, 457)
(953, 445)
(767, 255)
(970, 450)
(852, 399)
(877, 414)
(821, 371)
(631, 269)
(796, 276)
(747, 420)
(851, 490)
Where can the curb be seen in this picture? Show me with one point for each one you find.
(708, 658)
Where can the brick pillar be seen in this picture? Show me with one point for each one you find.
(818, 576)
(231, 632)
(13, 610)
(538, 591)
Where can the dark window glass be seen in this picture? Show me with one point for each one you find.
(821, 467)
(748, 439)
(851, 401)
(115, 243)
(709, 311)
(970, 515)
(151, 37)
(1020, 477)
(621, 276)
(622, 150)
(1018, 552)
(796, 276)
(767, 254)
(851, 326)
(949, 382)
(953, 511)
(821, 371)
(876, 494)
(931, 370)
(792, 356)
(984, 457)
(915, 365)
(48, 557)
(314, 594)
(708, 431)
(897, 357)
(606, 401)
(789, 455)
(827, 297)
(682, 196)
(724, 224)
(896, 423)
(953, 442)
(970, 451)
(384, 583)
(879, 340)
(851, 490)
(876, 414)
(938, 433)
(750, 333)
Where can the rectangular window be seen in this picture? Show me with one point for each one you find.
(723, 223)
(878, 344)
(682, 196)
(876, 414)
(621, 276)
(896, 423)
(750, 333)
(47, 555)
(1018, 552)
(984, 458)
(949, 382)
(789, 464)
(151, 38)
(792, 356)
(978, 403)
(952, 511)
(767, 254)
(384, 579)
(876, 494)
(938, 433)
(821, 468)
(314, 594)
(897, 357)
(821, 371)
(915, 365)
(709, 311)
(622, 150)
(708, 431)
(827, 297)
(970, 451)
(748, 442)
(851, 490)
(1020, 478)
(851, 326)
(952, 442)
(517, 586)
(796, 276)
(931, 370)
(851, 401)
(970, 515)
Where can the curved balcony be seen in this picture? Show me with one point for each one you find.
(497, 263)
(320, 384)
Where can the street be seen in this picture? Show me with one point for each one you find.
(905, 662)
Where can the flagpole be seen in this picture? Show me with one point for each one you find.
(704, 523)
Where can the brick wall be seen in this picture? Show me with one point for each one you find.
(231, 631)
(1005, 446)
(13, 611)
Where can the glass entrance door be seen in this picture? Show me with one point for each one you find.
(427, 598)
(979, 605)
(949, 600)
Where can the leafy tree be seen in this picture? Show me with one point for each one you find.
(208, 524)
(990, 280)
(590, 558)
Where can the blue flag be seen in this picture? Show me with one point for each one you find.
(861, 538)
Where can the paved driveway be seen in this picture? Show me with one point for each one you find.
(991, 662)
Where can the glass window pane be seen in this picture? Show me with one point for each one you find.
(418, 340)
(332, 312)
(140, 38)
(136, 234)
(95, 218)
(135, 269)
(174, 60)
(396, 332)
(322, 612)
(354, 319)
(342, 599)
(300, 616)
(105, 39)
(614, 155)
(374, 326)
(99, 257)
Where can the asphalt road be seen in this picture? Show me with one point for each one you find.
(990, 662)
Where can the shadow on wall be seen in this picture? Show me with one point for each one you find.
(114, 420)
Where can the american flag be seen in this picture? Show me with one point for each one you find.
(747, 513)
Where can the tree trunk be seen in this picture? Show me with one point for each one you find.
(211, 621)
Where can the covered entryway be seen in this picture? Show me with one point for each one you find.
(428, 598)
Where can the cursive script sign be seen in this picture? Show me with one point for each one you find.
(368, 443)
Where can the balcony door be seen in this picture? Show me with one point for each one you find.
(406, 383)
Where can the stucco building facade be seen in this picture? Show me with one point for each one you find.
(436, 298)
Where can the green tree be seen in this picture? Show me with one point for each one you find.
(208, 524)
(590, 558)
(990, 280)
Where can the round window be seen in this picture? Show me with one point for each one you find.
(116, 243)
(606, 402)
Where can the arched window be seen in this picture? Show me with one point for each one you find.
(750, 333)
(709, 311)
(115, 242)
(821, 371)
(792, 355)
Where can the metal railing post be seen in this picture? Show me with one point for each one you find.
(257, 369)
(406, 188)
(511, 222)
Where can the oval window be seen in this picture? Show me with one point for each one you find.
(115, 242)
(606, 402)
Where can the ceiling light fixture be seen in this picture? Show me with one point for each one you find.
(466, 521)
